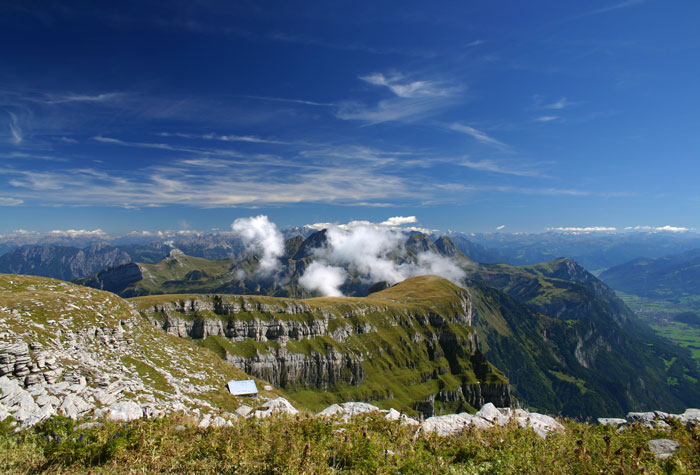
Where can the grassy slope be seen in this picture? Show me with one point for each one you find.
(399, 370)
(310, 445)
(45, 305)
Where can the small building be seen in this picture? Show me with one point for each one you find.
(246, 387)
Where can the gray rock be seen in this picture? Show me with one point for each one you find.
(663, 448)
(243, 410)
(34, 379)
(205, 422)
(491, 414)
(4, 412)
(690, 416)
(74, 406)
(40, 415)
(394, 415)
(47, 400)
(453, 423)
(124, 411)
(540, 423)
(347, 410)
(220, 422)
(275, 406)
(647, 419)
(18, 401)
(612, 421)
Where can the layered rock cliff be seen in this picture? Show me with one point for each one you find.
(412, 343)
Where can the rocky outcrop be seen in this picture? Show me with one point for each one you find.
(308, 346)
(490, 416)
(330, 361)
(286, 369)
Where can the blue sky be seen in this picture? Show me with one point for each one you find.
(469, 115)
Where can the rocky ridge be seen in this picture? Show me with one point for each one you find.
(79, 352)
(332, 344)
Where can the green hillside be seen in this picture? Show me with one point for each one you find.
(408, 346)
(583, 351)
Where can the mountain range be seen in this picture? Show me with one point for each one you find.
(561, 336)
(670, 277)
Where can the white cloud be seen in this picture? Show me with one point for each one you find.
(224, 138)
(584, 229)
(616, 6)
(104, 97)
(476, 134)
(76, 233)
(260, 235)
(15, 129)
(562, 103)
(413, 100)
(491, 166)
(502, 226)
(10, 201)
(324, 278)
(667, 228)
(370, 250)
(397, 84)
(547, 118)
(399, 220)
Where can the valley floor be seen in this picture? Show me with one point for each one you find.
(303, 444)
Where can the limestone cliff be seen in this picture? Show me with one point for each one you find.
(412, 343)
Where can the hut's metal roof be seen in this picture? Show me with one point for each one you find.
(242, 388)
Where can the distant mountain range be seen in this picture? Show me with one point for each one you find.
(563, 338)
(595, 251)
(61, 262)
(670, 277)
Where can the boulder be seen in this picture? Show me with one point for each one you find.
(124, 411)
(40, 415)
(243, 410)
(74, 406)
(205, 422)
(394, 415)
(491, 414)
(612, 421)
(347, 410)
(690, 416)
(453, 423)
(540, 423)
(275, 406)
(663, 448)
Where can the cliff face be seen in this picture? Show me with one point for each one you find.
(60, 262)
(394, 345)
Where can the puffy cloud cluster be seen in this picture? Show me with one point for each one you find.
(368, 248)
(395, 223)
(324, 278)
(261, 236)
